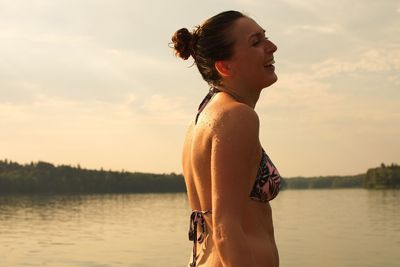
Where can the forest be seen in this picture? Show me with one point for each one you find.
(383, 177)
(44, 177)
(355, 181)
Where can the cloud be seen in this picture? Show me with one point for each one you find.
(322, 29)
(247, 3)
(305, 5)
(372, 60)
(339, 92)
(57, 114)
(156, 109)
(95, 134)
(74, 66)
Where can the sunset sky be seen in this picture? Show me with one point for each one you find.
(94, 83)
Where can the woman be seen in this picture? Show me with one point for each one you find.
(229, 177)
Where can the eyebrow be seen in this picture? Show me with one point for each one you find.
(257, 34)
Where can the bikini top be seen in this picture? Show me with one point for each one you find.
(267, 183)
(266, 187)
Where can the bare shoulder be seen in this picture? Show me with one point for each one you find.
(236, 118)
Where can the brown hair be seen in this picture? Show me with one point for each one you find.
(207, 43)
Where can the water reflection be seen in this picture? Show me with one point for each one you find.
(349, 227)
(92, 230)
(343, 227)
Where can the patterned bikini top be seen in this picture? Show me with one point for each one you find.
(268, 181)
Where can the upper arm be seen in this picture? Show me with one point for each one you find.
(234, 149)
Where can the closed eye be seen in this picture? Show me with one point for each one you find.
(259, 40)
(256, 42)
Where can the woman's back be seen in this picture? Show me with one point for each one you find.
(197, 160)
(197, 150)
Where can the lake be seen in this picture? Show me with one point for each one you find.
(313, 228)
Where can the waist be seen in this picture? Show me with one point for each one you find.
(263, 248)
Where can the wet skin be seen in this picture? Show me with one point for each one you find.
(221, 157)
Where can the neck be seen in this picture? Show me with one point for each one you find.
(241, 94)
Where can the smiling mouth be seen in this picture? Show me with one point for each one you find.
(269, 63)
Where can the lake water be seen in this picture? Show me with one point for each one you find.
(313, 228)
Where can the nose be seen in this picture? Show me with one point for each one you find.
(270, 47)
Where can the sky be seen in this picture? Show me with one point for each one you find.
(95, 83)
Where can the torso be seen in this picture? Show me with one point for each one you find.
(257, 223)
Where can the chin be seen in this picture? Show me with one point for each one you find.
(271, 80)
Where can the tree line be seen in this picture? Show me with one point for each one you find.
(354, 181)
(382, 177)
(44, 177)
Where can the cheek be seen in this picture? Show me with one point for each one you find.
(256, 57)
(246, 69)
(249, 63)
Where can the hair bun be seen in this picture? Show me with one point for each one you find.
(182, 43)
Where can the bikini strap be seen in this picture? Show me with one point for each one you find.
(205, 101)
(197, 217)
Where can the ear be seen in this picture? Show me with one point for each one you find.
(223, 68)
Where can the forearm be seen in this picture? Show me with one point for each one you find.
(232, 246)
